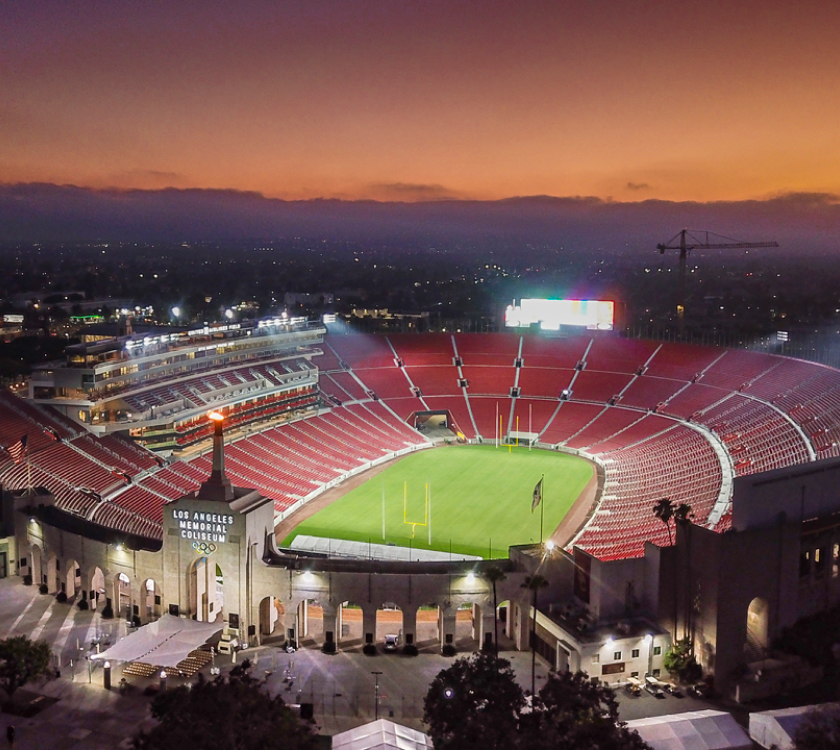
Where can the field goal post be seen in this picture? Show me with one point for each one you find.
(427, 511)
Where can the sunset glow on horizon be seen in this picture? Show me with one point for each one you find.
(424, 99)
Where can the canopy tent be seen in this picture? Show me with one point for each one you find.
(381, 735)
(777, 728)
(164, 643)
(693, 730)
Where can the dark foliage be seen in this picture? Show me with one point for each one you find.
(474, 703)
(477, 703)
(812, 638)
(21, 660)
(819, 729)
(223, 714)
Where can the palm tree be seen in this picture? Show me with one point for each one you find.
(494, 574)
(664, 511)
(534, 583)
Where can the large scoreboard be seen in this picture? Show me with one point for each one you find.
(551, 314)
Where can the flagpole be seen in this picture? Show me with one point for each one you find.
(542, 507)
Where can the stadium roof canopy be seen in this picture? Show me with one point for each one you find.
(163, 643)
(777, 728)
(693, 730)
(381, 735)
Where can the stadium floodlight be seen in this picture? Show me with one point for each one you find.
(470, 577)
(215, 416)
(176, 312)
(549, 546)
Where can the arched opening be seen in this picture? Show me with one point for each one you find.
(310, 623)
(151, 599)
(428, 630)
(757, 627)
(389, 626)
(122, 596)
(52, 580)
(503, 613)
(272, 619)
(350, 625)
(72, 579)
(468, 626)
(207, 591)
(97, 587)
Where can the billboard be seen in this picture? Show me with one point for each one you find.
(550, 314)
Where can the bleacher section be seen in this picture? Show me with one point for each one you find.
(683, 418)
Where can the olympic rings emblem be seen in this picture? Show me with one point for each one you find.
(204, 548)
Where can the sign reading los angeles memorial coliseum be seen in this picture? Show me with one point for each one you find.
(200, 526)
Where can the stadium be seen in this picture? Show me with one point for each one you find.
(647, 420)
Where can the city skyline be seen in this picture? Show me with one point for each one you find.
(424, 100)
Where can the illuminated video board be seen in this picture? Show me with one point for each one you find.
(550, 314)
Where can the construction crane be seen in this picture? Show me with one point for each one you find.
(688, 242)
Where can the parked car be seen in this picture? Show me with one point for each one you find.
(672, 689)
(634, 686)
(654, 687)
(392, 641)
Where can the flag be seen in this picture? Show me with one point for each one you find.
(18, 450)
(537, 495)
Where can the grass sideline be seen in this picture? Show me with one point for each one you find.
(478, 493)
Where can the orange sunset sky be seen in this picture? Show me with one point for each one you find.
(418, 99)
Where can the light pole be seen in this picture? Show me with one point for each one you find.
(376, 696)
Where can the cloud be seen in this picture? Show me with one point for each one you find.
(804, 198)
(413, 190)
(154, 177)
(638, 186)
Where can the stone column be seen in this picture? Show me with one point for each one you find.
(410, 625)
(368, 623)
(332, 623)
(446, 625)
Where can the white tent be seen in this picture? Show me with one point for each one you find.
(162, 643)
(381, 735)
(769, 728)
(693, 730)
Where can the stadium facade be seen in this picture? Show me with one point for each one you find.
(693, 424)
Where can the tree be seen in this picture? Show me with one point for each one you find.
(22, 660)
(664, 511)
(223, 714)
(819, 729)
(573, 713)
(495, 575)
(680, 661)
(475, 703)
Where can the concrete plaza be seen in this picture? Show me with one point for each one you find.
(341, 687)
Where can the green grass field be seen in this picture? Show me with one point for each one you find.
(478, 493)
